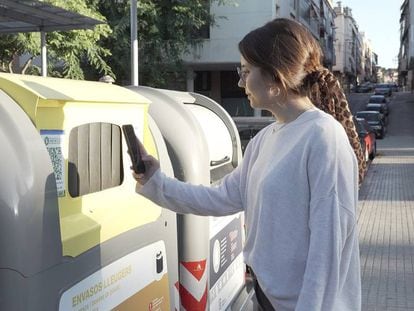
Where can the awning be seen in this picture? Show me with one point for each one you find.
(36, 16)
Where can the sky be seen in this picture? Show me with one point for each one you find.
(380, 20)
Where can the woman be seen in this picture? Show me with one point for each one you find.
(298, 182)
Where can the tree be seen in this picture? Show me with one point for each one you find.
(14, 45)
(67, 51)
(166, 28)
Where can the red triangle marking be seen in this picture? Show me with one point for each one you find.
(196, 268)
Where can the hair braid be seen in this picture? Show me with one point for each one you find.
(326, 93)
(287, 50)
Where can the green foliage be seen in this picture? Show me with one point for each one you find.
(79, 47)
(67, 51)
(13, 45)
(166, 30)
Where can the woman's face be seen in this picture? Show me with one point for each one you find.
(259, 87)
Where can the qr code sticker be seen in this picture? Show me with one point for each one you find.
(53, 142)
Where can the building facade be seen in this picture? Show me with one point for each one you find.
(348, 47)
(406, 53)
(211, 67)
(356, 61)
(369, 61)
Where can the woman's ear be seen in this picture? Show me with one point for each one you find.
(275, 90)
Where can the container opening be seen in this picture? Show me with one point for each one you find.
(95, 158)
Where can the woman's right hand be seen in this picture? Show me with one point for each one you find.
(151, 166)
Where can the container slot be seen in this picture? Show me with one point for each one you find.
(95, 158)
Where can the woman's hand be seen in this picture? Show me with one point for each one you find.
(151, 166)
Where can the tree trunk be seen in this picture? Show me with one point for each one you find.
(27, 65)
(11, 66)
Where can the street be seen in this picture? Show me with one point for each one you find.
(386, 212)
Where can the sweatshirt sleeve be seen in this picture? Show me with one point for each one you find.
(185, 198)
(333, 258)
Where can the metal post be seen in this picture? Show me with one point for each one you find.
(43, 53)
(190, 80)
(134, 44)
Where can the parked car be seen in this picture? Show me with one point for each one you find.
(363, 88)
(394, 87)
(248, 127)
(367, 137)
(378, 99)
(381, 108)
(375, 120)
(383, 89)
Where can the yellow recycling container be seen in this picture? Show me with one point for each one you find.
(80, 229)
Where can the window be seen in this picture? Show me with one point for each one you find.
(202, 81)
(203, 32)
(305, 10)
(95, 158)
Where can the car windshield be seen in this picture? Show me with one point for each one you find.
(377, 99)
(373, 108)
(383, 86)
(368, 116)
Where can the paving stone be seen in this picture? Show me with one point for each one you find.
(386, 215)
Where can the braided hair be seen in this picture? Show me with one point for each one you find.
(326, 93)
(287, 51)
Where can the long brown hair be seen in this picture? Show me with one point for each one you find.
(286, 50)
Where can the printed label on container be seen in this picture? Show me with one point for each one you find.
(226, 264)
(53, 140)
(138, 281)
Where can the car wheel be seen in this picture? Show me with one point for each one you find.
(374, 151)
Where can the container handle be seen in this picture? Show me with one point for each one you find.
(218, 162)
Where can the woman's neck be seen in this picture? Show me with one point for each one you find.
(292, 108)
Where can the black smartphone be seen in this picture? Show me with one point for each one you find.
(133, 149)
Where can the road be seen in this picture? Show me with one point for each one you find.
(357, 101)
(386, 212)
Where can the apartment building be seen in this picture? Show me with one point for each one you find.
(211, 67)
(368, 61)
(356, 61)
(348, 47)
(406, 53)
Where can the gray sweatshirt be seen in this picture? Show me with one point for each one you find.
(298, 187)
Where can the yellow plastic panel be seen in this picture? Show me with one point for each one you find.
(103, 215)
(91, 219)
(62, 104)
(74, 90)
(25, 97)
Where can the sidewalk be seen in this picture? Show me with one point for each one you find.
(386, 215)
